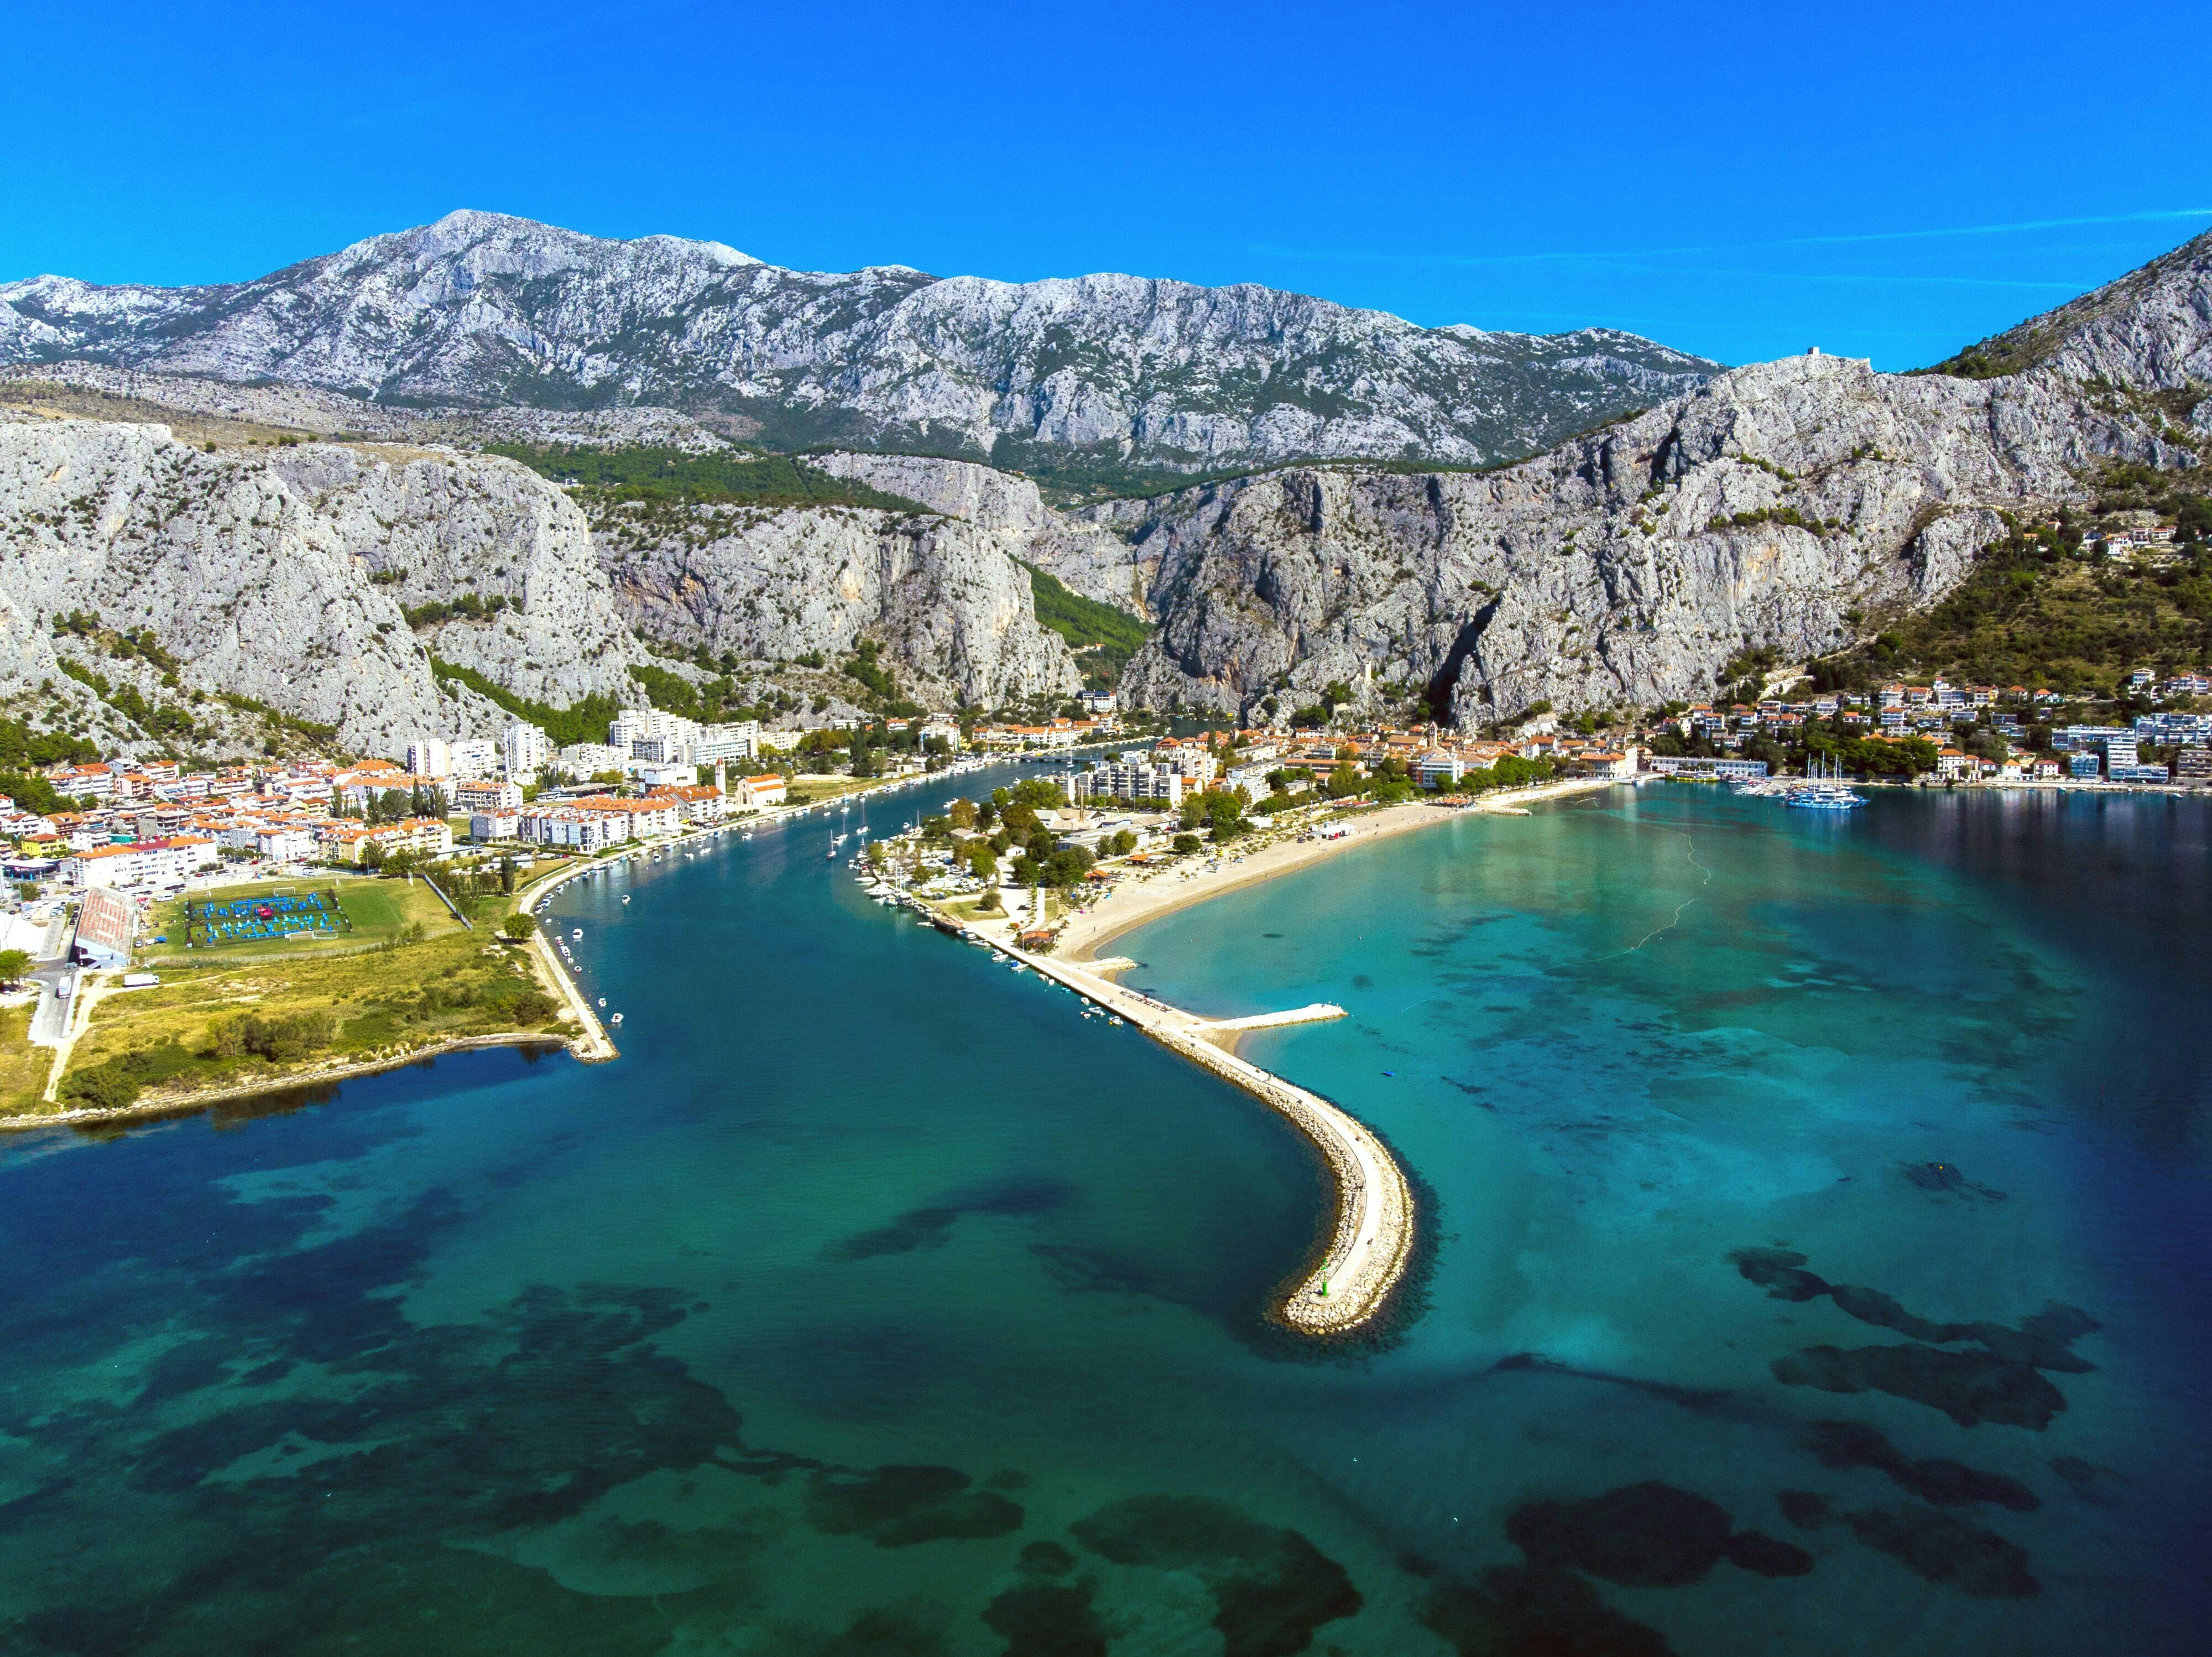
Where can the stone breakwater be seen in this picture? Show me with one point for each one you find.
(1371, 1240)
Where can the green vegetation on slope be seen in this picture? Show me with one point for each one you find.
(713, 702)
(2044, 608)
(586, 722)
(664, 477)
(21, 747)
(1071, 476)
(1103, 638)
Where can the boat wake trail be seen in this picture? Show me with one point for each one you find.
(1691, 852)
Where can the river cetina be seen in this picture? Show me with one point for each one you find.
(1816, 1259)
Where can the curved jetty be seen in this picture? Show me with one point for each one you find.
(1367, 1251)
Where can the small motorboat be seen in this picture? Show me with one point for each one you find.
(625, 897)
(603, 1001)
(577, 933)
(1116, 1022)
(617, 1018)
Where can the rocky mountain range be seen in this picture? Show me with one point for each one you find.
(479, 311)
(1789, 505)
(249, 576)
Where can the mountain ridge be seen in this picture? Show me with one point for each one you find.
(1786, 507)
(482, 310)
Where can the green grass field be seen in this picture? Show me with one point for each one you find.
(379, 910)
(22, 1066)
(811, 790)
(200, 1028)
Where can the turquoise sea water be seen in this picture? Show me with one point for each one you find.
(1818, 1261)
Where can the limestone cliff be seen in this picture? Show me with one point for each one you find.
(1086, 550)
(954, 610)
(1789, 505)
(257, 574)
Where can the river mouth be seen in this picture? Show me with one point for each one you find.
(875, 1298)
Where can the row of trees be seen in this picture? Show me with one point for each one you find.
(1827, 742)
(396, 805)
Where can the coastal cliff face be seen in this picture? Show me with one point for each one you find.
(227, 565)
(480, 310)
(955, 612)
(1789, 505)
(286, 575)
(440, 529)
(1088, 551)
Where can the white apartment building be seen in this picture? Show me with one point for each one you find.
(1197, 764)
(739, 740)
(666, 739)
(285, 843)
(156, 863)
(1120, 782)
(473, 756)
(525, 750)
(456, 755)
(1440, 768)
(482, 793)
(590, 759)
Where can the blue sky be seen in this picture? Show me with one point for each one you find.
(1881, 180)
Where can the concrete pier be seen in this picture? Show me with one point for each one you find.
(1372, 1239)
(1320, 1012)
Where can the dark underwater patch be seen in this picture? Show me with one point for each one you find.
(431, 1444)
(898, 1507)
(1945, 1178)
(1970, 1387)
(2000, 1383)
(1806, 1509)
(876, 1634)
(1272, 1587)
(1522, 1610)
(931, 1227)
(464, 1432)
(1946, 1483)
(1042, 1619)
(915, 1229)
(1767, 1555)
(1699, 1400)
(2094, 1484)
(1047, 1559)
(1641, 1535)
(1939, 1548)
(1081, 1269)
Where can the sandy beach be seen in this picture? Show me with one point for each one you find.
(1138, 899)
